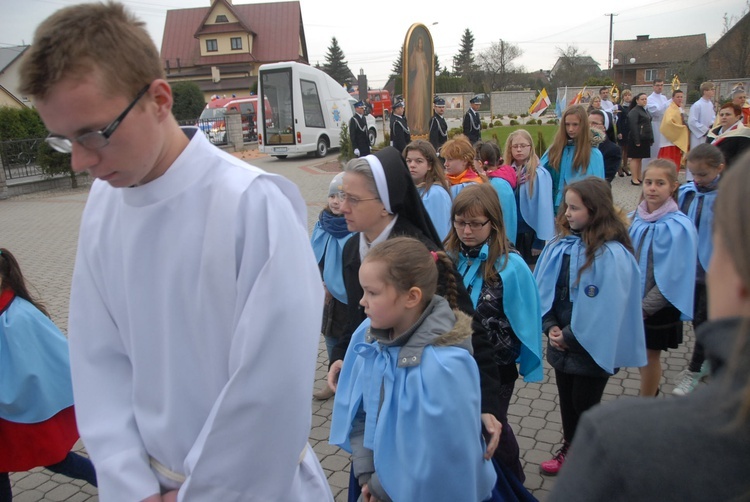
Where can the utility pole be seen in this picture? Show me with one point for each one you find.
(609, 53)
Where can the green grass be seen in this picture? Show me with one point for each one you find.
(502, 132)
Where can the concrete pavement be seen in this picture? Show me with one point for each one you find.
(42, 228)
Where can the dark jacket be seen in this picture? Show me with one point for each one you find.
(575, 360)
(400, 135)
(612, 158)
(640, 126)
(623, 126)
(472, 126)
(483, 351)
(732, 147)
(358, 135)
(626, 449)
(438, 132)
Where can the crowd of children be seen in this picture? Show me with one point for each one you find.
(606, 290)
(443, 274)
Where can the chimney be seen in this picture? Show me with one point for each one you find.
(642, 38)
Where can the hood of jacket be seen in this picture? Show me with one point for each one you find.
(439, 325)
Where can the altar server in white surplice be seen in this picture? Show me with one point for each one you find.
(196, 301)
(657, 105)
(701, 118)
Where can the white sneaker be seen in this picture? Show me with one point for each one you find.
(686, 383)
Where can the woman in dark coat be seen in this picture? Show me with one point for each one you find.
(641, 135)
(623, 129)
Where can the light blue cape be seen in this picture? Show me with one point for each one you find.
(674, 242)
(706, 223)
(607, 317)
(438, 203)
(569, 175)
(537, 210)
(423, 436)
(508, 205)
(520, 304)
(323, 243)
(35, 380)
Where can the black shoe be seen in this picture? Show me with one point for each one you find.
(634, 183)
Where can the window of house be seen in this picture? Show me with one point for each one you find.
(650, 75)
(212, 45)
(221, 18)
(236, 43)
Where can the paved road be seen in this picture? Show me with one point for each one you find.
(42, 228)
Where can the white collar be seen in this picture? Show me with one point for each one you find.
(364, 247)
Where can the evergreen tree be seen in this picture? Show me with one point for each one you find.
(188, 100)
(463, 62)
(336, 66)
(398, 65)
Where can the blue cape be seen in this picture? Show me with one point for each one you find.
(537, 210)
(706, 224)
(568, 175)
(438, 203)
(456, 189)
(426, 434)
(508, 205)
(34, 365)
(607, 317)
(520, 304)
(323, 243)
(672, 238)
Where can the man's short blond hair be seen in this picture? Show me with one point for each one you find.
(103, 37)
(707, 86)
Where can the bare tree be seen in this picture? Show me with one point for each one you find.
(573, 67)
(734, 46)
(497, 63)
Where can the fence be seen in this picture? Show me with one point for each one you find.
(18, 158)
(215, 129)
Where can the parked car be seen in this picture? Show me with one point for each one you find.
(211, 120)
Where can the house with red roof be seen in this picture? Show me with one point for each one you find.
(645, 59)
(221, 47)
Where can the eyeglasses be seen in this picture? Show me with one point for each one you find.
(521, 146)
(93, 140)
(596, 124)
(353, 201)
(474, 225)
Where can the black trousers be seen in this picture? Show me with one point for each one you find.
(577, 394)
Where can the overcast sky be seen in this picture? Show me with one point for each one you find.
(371, 39)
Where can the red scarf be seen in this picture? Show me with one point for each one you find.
(505, 172)
(468, 176)
(6, 296)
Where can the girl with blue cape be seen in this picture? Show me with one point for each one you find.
(503, 180)
(533, 194)
(590, 292)
(429, 177)
(505, 297)
(408, 401)
(696, 199)
(460, 170)
(37, 419)
(328, 238)
(572, 156)
(658, 229)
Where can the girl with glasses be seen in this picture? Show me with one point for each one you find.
(505, 297)
(533, 195)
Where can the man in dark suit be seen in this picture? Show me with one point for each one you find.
(400, 134)
(472, 122)
(358, 131)
(438, 126)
